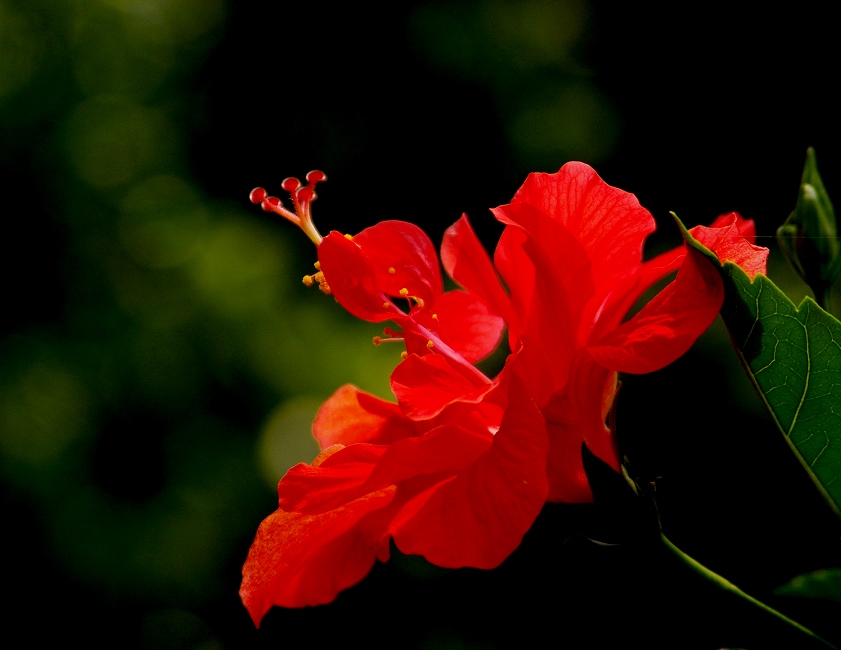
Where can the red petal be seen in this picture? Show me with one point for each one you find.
(467, 262)
(465, 323)
(329, 483)
(352, 280)
(725, 238)
(519, 273)
(298, 560)
(575, 415)
(549, 294)
(445, 449)
(407, 250)
(351, 415)
(479, 517)
(746, 227)
(608, 222)
(668, 325)
(425, 385)
(609, 315)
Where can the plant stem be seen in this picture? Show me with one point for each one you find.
(729, 586)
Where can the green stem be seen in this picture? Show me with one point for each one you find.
(729, 586)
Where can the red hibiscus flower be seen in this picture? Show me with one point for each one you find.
(459, 468)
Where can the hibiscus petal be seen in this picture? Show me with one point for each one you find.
(549, 294)
(747, 227)
(351, 415)
(352, 279)
(669, 324)
(479, 517)
(575, 415)
(445, 449)
(405, 249)
(467, 262)
(330, 483)
(726, 239)
(298, 560)
(609, 223)
(466, 324)
(425, 385)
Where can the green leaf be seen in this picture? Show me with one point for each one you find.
(824, 584)
(793, 357)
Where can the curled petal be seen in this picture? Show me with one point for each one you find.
(726, 239)
(668, 325)
(747, 227)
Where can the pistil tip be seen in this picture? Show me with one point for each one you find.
(316, 176)
(270, 203)
(257, 195)
(290, 184)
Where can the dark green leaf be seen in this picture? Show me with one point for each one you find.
(793, 357)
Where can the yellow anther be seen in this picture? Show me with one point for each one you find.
(435, 316)
(325, 289)
(430, 344)
(317, 265)
(349, 237)
(318, 277)
(386, 305)
(391, 270)
(419, 301)
(404, 292)
(377, 340)
(308, 280)
(404, 354)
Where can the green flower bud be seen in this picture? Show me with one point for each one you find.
(809, 237)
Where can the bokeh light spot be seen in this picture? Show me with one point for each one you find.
(240, 269)
(163, 222)
(286, 438)
(41, 413)
(19, 48)
(112, 142)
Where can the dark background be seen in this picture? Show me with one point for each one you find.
(161, 361)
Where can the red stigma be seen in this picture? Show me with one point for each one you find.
(257, 195)
(302, 197)
(270, 203)
(290, 184)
